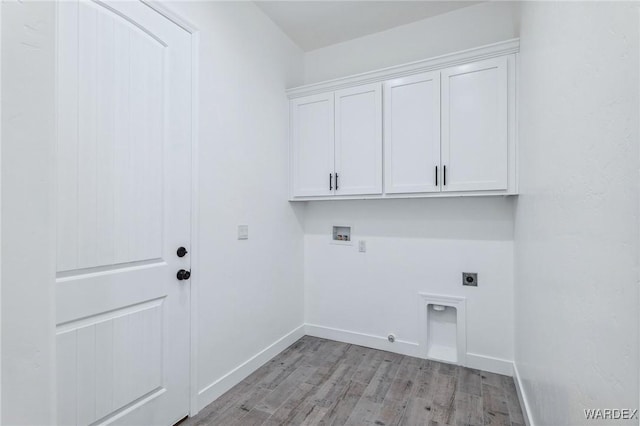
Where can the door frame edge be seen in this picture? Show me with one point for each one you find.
(194, 32)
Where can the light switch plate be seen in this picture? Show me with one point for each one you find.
(362, 246)
(243, 232)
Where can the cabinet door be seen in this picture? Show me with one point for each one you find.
(312, 149)
(359, 140)
(412, 134)
(474, 126)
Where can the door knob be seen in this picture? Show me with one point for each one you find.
(182, 252)
(183, 275)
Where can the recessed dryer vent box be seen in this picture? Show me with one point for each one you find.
(341, 235)
(443, 328)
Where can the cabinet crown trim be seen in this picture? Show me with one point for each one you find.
(438, 62)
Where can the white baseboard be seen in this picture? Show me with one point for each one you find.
(362, 339)
(490, 364)
(522, 397)
(214, 390)
(480, 362)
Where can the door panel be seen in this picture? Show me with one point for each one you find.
(313, 148)
(120, 125)
(359, 140)
(118, 359)
(412, 134)
(474, 126)
(124, 194)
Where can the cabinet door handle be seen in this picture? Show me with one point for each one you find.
(436, 175)
(336, 181)
(330, 181)
(444, 178)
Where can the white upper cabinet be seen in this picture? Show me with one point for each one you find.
(412, 134)
(312, 148)
(358, 140)
(474, 126)
(440, 127)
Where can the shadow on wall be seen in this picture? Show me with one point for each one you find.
(463, 218)
(299, 210)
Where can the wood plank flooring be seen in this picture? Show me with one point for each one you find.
(323, 382)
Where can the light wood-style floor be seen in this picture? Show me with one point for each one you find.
(322, 382)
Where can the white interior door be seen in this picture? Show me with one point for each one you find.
(474, 126)
(358, 135)
(412, 134)
(124, 195)
(312, 145)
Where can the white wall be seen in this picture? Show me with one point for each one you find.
(28, 129)
(417, 245)
(576, 233)
(413, 245)
(250, 293)
(460, 29)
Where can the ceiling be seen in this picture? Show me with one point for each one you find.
(315, 24)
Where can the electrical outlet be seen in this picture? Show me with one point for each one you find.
(362, 246)
(470, 279)
(243, 232)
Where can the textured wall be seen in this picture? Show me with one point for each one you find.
(28, 245)
(577, 216)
